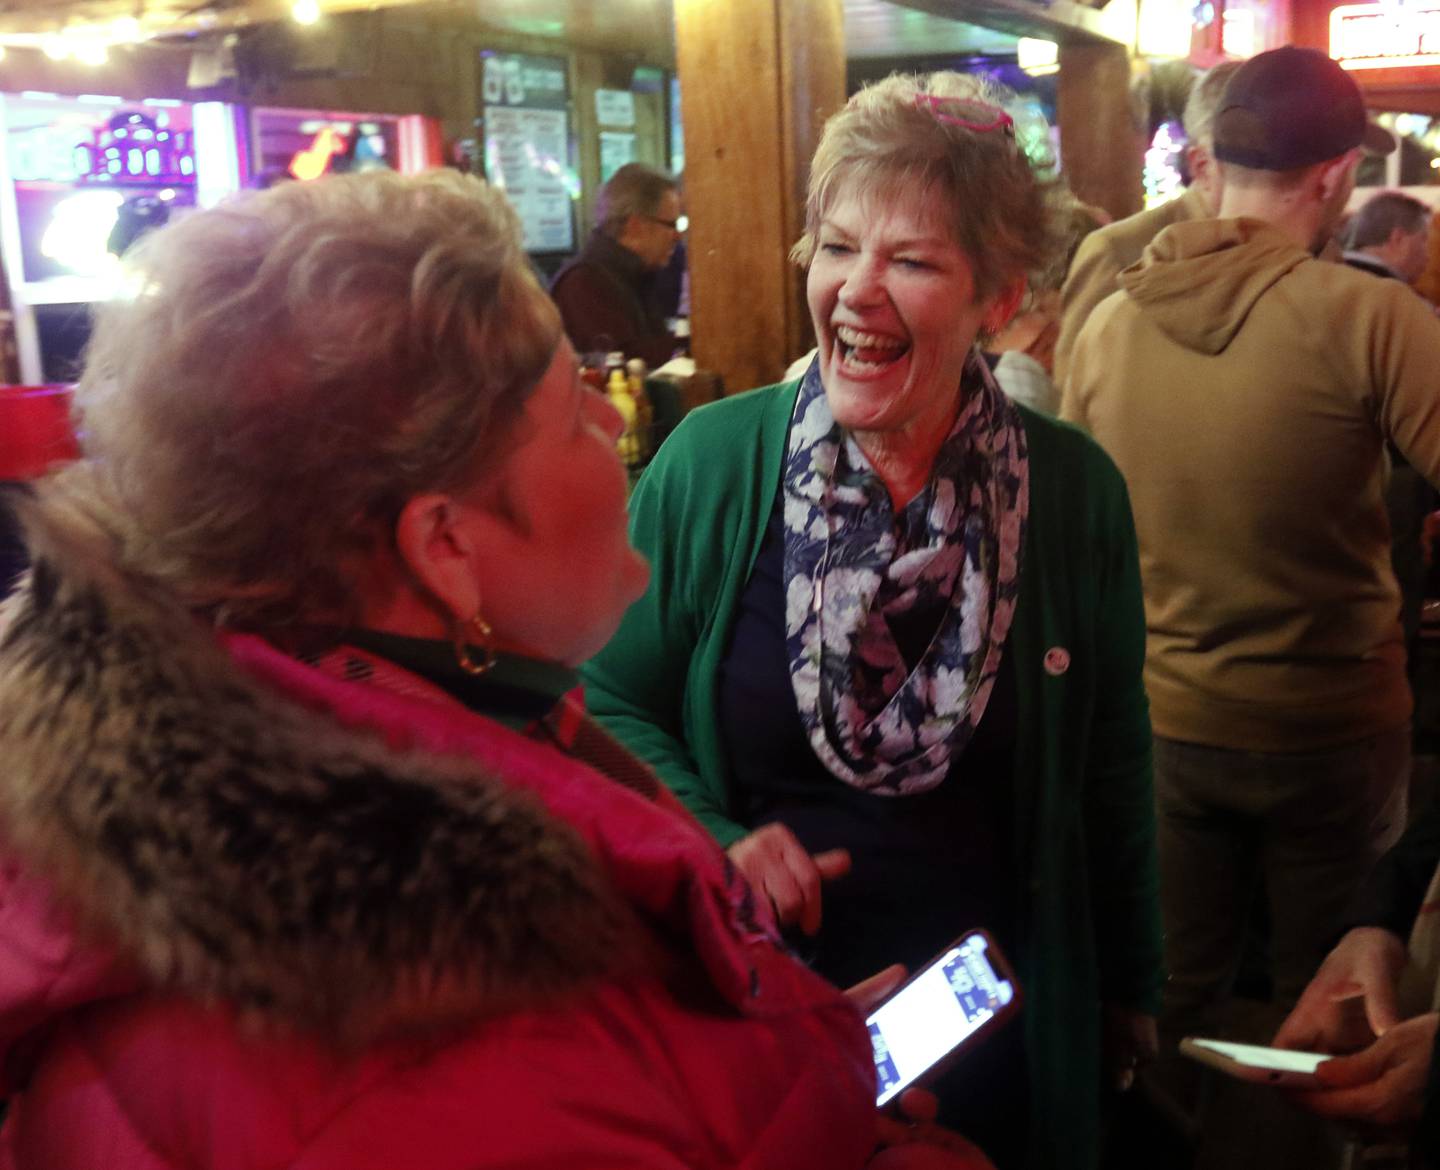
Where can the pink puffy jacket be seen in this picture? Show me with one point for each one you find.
(259, 916)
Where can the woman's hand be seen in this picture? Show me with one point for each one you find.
(1384, 1084)
(1364, 967)
(1128, 1040)
(779, 867)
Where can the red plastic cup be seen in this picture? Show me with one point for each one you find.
(35, 430)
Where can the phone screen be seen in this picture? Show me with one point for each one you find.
(1274, 1059)
(941, 1007)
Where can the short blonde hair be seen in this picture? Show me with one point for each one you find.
(296, 364)
(904, 134)
(1203, 103)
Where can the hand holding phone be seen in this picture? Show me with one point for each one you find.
(1251, 1062)
(963, 994)
(1352, 998)
(1385, 1085)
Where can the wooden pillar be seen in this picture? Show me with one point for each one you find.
(758, 78)
(1101, 147)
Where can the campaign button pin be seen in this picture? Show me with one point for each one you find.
(1057, 660)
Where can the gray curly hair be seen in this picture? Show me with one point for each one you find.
(294, 365)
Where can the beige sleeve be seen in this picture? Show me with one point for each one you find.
(1405, 349)
(1092, 278)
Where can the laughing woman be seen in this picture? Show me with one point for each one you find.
(891, 651)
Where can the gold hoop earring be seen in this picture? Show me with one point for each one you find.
(483, 638)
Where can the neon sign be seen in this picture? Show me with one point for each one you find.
(315, 159)
(1385, 36)
(128, 148)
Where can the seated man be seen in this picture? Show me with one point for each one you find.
(604, 293)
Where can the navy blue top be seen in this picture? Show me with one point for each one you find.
(925, 868)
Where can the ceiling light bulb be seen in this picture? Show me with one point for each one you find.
(91, 53)
(305, 11)
(56, 48)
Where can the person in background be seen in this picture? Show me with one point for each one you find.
(1374, 1002)
(1389, 236)
(1248, 390)
(308, 856)
(1026, 346)
(604, 294)
(890, 653)
(1104, 254)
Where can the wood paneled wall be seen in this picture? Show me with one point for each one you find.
(758, 78)
(1102, 144)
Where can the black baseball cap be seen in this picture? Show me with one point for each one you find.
(1291, 108)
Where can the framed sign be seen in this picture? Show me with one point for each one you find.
(1385, 36)
(615, 107)
(526, 131)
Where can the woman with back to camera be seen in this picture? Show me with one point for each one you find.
(307, 859)
(891, 651)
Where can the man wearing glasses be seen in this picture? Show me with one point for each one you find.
(605, 293)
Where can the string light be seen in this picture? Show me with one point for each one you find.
(90, 52)
(126, 30)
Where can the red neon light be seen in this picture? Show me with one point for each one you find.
(314, 160)
(1385, 36)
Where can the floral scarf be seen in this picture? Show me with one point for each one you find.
(853, 566)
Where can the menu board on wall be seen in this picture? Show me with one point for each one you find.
(525, 103)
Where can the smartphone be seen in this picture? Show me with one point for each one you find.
(1250, 1062)
(963, 994)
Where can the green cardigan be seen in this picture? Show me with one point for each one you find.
(1088, 919)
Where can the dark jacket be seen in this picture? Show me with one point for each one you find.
(605, 300)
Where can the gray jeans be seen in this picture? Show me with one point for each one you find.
(1301, 829)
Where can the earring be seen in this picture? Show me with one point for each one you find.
(465, 641)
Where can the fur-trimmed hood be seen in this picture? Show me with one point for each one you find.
(241, 847)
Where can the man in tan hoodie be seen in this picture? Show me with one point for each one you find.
(1246, 390)
(1104, 254)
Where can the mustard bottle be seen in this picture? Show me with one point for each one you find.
(618, 390)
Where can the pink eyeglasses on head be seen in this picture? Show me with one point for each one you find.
(981, 117)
